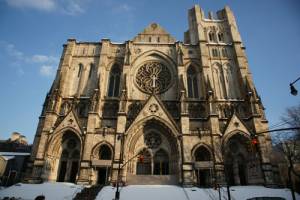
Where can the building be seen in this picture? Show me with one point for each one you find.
(169, 112)
(14, 154)
(16, 143)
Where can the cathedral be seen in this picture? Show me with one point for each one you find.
(154, 110)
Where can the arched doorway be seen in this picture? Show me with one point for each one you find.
(105, 154)
(203, 166)
(160, 151)
(69, 158)
(236, 160)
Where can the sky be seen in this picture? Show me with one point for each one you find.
(32, 33)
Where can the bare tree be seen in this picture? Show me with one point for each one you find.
(287, 143)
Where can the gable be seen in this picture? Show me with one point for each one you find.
(71, 121)
(154, 108)
(235, 124)
(154, 33)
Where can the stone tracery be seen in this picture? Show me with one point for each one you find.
(153, 77)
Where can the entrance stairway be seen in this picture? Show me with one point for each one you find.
(152, 179)
(88, 193)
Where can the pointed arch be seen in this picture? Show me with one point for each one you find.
(80, 69)
(202, 154)
(211, 36)
(230, 81)
(54, 147)
(114, 81)
(192, 82)
(202, 151)
(219, 82)
(102, 151)
(221, 37)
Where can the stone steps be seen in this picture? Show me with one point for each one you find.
(88, 193)
(152, 180)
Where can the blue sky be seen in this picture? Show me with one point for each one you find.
(32, 33)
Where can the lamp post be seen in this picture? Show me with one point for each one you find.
(117, 194)
(294, 91)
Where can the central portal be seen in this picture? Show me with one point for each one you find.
(157, 156)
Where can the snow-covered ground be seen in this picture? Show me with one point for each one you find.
(52, 191)
(170, 192)
(67, 191)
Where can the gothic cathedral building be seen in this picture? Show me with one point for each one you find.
(161, 110)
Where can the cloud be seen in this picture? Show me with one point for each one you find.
(43, 59)
(13, 52)
(73, 7)
(68, 7)
(47, 70)
(18, 59)
(122, 8)
(43, 5)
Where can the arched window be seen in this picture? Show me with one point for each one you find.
(230, 82)
(92, 66)
(149, 39)
(114, 81)
(105, 153)
(80, 68)
(161, 163)
(211, 36)
(192, 83)
(202, 154)
(219, 83)
(221, 37)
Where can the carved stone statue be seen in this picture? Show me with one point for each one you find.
(95, 99)
(123, 100)
(183, 102)
(179, 55)
(127, 54)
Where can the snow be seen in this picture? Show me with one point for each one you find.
(67, 191)
(171, 192)
(52, 191)
(14, 154)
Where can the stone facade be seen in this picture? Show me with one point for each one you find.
(169, 112)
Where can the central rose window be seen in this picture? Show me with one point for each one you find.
(153, 77)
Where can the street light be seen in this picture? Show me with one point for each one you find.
(117, 194)
(292, 88)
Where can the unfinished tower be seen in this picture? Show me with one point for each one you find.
(171, 112)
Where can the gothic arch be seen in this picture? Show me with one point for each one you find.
(96, 148)
(55, 140)
(54, 154)
(169, 134)
(218, 80)
(154, 53)
(237, 158)
(231, 134)
(114, 81)
(201, 145)
(193, 80)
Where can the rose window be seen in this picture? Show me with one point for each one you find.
(152, 140)
(153, 77)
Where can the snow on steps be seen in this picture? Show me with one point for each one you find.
(52, 191)
(172, 192)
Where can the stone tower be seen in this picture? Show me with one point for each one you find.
(167, 111)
